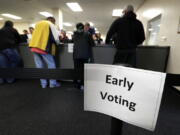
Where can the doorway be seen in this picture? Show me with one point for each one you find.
(153, 30)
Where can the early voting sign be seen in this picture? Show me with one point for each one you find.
(128, 94)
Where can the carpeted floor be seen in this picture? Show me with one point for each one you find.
(26, 109)
(168, 122)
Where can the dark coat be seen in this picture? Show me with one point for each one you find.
(83, 43)
(128, 30)
(9, 38)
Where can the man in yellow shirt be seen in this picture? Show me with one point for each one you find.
(44, 40)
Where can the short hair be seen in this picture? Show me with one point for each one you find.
(87, 24)
(129, 8)
(80, 26)
(8, 24)
(25, 31)
(31, 28)
(52, 19)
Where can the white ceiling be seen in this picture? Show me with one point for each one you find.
(97, 11)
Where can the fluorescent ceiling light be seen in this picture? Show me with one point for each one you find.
(33, 25)
(46, 14)
(74, 7)
(154, 33)
(1, 18)
(117, 12)
(151, 13)
(67, 24)
(69, 32)
(150, 29)
(11, 16)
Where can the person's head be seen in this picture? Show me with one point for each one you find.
(98, 35)
(86, 26)
(80, 26)
(8, 24)
(51, 19)
(63, 32)
(25, 32)
(128, 8)
(31, 29)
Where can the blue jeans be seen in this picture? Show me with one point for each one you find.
(9, 58)
(41, 60)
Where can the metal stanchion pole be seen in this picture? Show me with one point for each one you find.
(116, 126)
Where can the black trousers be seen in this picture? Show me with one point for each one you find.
(125, 57)
(79, 64)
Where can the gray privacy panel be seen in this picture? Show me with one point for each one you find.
(27, 56)
(103, 55)
(148, 57)
(64, 58)
(152, 57)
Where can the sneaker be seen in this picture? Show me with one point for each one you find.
(1, 81)
(76, 85)
(44, 86)
(10, 80)
(54, 85)
(82, 88)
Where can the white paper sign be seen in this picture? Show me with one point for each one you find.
(70, 48)
(129, 94)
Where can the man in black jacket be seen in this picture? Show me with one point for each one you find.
(129, 34)
(10, 38)
(9, 56)
(82, 52)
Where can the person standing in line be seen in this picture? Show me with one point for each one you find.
(129, 33)
(31, 29)
(90, 29)
(24, 36)
(63, 37)
(99, 40)
(82, 52)
(9, 56)
(43, 44)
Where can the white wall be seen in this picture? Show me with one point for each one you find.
(169, 26)
(19, 26)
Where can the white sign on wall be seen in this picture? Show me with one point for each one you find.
(70, 48)
(128, 94)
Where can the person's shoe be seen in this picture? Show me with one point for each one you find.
(76, 85)
(82, 88)
(1, 81)
(44, 86)
(10, 80)
(54, 85)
